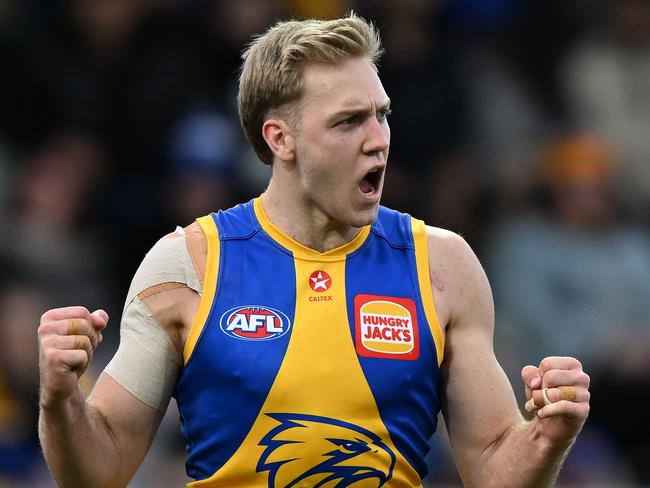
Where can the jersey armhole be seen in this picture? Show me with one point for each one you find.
(424, 280)
(211, 232)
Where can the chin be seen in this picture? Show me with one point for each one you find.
(365, 217)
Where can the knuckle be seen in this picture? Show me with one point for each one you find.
(85, 359)
(571, 378)
(81, 342)
(46, 316)
(47, 342)
(555, 395)
(54, 356)
(546, 363)
(80, 310)
(564, 406)
(551, 377)
(528, 371)
(572, 409)
(85, 315)
(45, 328)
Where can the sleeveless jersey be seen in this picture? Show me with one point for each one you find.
(308, 369)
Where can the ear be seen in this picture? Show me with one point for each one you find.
(279, 137)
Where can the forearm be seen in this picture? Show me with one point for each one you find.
(78, 444)
(522, 458)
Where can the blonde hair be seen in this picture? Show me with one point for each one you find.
(271, 73)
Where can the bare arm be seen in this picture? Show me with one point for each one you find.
(491, 442)
(102, 440)
(96, 442)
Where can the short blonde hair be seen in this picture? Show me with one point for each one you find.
(271, 73)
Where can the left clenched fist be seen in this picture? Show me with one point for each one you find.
(558, 390)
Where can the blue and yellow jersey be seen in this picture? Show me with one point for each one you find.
(307, 369)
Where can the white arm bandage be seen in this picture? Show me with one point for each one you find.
(168, 261)
(147, 363)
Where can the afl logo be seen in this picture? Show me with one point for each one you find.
(254, 323)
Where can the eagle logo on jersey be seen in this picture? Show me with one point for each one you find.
(310, 450)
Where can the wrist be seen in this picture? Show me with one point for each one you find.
(548, 446)
(56, 403)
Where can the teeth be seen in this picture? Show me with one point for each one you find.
(373, 170)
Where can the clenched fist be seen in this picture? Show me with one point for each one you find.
(558, 390)
(67, 338)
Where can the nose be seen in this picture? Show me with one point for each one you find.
(377, 137)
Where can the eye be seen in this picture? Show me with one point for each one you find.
(351, 446)
(350, 121)
(383, 114)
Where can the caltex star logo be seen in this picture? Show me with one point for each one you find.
(320, 281)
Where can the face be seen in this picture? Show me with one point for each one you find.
(342, 141)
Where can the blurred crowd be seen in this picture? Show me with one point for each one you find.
(524, 125)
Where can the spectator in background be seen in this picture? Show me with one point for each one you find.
(47, 254)
(48, 238)
(607, 81)
(52, 239)
(572, 277)
(20, 454)
(418, 72)
(319, 9)
(203, 158)
(508, 52)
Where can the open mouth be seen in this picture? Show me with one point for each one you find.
(370, 183)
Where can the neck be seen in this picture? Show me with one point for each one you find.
(303, 221)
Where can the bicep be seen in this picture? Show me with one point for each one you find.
(478, 402)
(131, 396)
(160, 307)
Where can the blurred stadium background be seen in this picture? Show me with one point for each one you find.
(524, 125)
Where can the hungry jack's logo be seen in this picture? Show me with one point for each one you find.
(386, 327)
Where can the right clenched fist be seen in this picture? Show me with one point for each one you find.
(67, 338)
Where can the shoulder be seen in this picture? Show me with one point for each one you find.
(459, 282)
(169, 281)
(448, 249)
(177, 258)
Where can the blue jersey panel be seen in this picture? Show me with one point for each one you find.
(387, 268)
(241, 346)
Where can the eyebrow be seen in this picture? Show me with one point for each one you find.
(358, 110)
